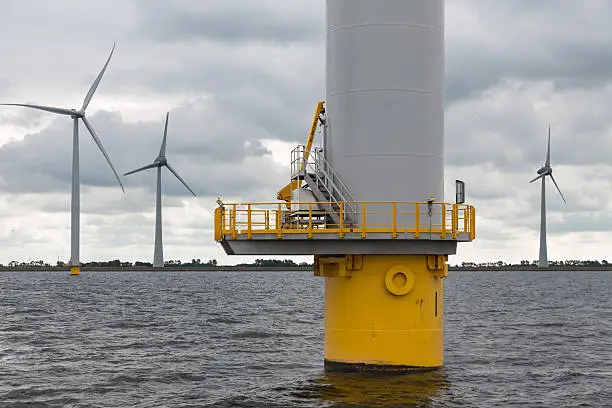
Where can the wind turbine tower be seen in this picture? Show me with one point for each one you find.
(369, 205)
(158, 163)
(543, 172)
(76, 115)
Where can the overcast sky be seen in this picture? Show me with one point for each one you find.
(241, 79)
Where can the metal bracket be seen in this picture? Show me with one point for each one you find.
(437, 264)
(336, 266)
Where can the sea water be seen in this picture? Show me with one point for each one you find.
(255, 339)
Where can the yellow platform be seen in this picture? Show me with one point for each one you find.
(308, 220)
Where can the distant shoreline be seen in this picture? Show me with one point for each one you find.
(516, 268)
(225, 268)
(217, 268)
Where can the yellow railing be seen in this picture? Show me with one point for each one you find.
(395, 219)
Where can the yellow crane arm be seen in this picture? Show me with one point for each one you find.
(313, 129)
(285, 193)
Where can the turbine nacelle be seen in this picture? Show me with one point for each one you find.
(161, 161)
(545, 170)
(77, 114)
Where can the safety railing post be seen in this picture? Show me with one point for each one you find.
(219, 223)
(233, 221)
(249, 222)
(468, 216)
(443, 213)
(279, 225)
(472, 223)
(341, 226)
(309, 220)
(394, 215)
(417, 220)
(455, 220)
(363, 220)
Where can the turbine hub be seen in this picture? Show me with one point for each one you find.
(161, 161)
(546, 170)
(77, 114)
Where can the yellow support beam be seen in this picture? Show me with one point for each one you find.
(284, 194)
(313, 129)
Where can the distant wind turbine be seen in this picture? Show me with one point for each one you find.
(159, 162)
(75, 264)
(546, 170)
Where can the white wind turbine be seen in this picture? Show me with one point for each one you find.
(76, 115)
(159, 162)
(546, 170)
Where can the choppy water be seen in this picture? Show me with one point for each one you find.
(532, 339)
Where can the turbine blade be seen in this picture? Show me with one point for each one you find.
(548, 151)
(162, 151)
(180, 179)
(99, 143)
(94, 86)
(147, 167)
(558, 189)
(537, 178)
(60, 111)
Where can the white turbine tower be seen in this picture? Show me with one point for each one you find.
(75, 209)
(546, 170)
(159, 162)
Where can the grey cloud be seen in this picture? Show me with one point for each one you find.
(5, 86)
(245, 82)
(232, 21)
(506, 129)
(526, 41)
(20, 235)
(23, 118)
(584, 66)
(206, 147)
(581, 222)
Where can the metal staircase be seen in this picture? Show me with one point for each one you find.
(329, 190)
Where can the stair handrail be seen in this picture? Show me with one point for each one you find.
(335, 176)
(340, 190)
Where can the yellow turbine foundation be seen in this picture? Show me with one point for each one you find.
(75, 270)
(383, 312)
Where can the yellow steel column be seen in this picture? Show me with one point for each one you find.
(385, 315)
(75, 270)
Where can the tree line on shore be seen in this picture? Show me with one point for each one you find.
(534, 264)
(277, 263)
(197, 263)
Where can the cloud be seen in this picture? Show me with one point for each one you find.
(4, 87)
(232, 21)
(203, 140)
(489, 42)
